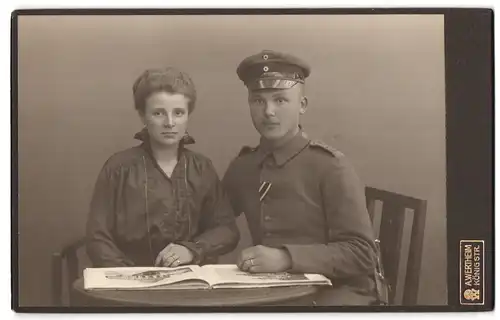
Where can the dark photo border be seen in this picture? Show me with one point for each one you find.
(469, 48)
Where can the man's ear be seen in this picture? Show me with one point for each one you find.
(303, 104)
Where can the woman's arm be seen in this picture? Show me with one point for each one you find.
(101, 247)
(219, 233)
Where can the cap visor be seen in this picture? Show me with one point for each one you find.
(271, 84)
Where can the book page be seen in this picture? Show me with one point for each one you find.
(230, 276)
(209, 274)
(143, 277)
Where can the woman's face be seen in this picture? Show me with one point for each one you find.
(166, 117)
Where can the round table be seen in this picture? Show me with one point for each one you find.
(276, 296)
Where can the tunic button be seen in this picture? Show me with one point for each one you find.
(267, 218)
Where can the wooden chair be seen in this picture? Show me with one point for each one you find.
(67, 262)
(392, 223)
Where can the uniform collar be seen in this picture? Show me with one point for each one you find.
(285, 152)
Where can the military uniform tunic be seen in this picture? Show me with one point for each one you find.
(315, 208)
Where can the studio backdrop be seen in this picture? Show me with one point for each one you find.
(376, 92)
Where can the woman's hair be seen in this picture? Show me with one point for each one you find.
(167, 79)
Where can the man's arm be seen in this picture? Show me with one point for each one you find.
(351, 248)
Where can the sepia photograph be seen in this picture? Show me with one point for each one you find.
(287, 146)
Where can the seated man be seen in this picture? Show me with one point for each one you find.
(304, 204)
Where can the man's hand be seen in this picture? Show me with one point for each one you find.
(174, 255)
(264, 259)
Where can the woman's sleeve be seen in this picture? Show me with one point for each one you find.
(219, 233)
(101, 247)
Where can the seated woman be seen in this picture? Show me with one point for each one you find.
(159, 203)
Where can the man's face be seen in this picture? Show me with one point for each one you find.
(276, 112)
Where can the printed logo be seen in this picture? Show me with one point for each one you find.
(471, 272)
(471, 294)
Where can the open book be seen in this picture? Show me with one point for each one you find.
(192, 277)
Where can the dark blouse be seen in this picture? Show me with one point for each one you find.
(137, 210)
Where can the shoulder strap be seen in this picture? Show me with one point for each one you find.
(246, 150)
(323, 146)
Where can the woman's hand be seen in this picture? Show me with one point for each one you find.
(174, 255)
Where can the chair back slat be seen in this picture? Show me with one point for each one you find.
(57, 279)
(415, 256)
(370, 204)
(73, 266)
(66, 269)
(392, 226)
(391, 234)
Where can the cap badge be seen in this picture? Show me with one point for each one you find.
(266, 68)
(265, 57)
